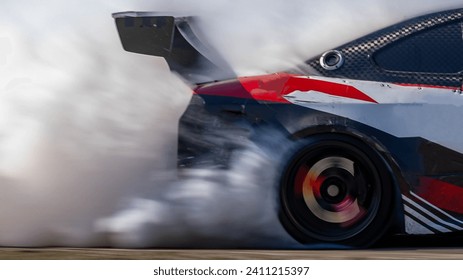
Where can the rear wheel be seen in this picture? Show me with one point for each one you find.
(336, 189)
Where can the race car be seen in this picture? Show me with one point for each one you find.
(373, 128)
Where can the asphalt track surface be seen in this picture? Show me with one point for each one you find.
(403, 248)
(120, 254)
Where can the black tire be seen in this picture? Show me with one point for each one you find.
(335, 189)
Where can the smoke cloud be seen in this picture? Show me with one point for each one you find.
(88, 131)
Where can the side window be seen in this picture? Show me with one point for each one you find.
(438, 49)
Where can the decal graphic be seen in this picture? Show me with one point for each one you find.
(429, 216)
(400, 110)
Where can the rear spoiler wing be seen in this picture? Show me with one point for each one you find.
(174, 39)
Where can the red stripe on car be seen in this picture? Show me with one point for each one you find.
(298, 83)
(273, 88)
(441, 194)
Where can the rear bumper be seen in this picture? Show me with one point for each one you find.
(208, 134)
